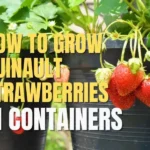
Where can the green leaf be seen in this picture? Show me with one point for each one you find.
(73, 3)
(2, 9)
(25, 29)
(34, 18)
(26, 15)
(11, 6)
(46, 10)
(21, 15)
(5, 17)
(3, 27)
(22, 29)
(119, 27)
(28, 3)
(116, 7)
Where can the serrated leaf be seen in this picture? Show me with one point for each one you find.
(22, 29)
(28, 3)
(24, 5)
(4, 16)
(36, 27)
(116, 7)
(11, 6)
(73, 3)
(34, 18)
(46, 10)
(21, 15)
(108, 65)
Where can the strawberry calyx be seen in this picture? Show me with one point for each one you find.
(134, 65)
(122, 62)
(147, 77)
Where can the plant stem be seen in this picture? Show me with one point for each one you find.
(101, 60)
(132, 7)
(52, 28)
(69, 13)
(87, 28)
(21, 106)
(131, 47)
(139, 51)
(135, 44)
(145, 32)
(86, 9)
(121, 21)
(142, 43)
(27, 79)
(95, 17)
(56, 55)
(123, 50)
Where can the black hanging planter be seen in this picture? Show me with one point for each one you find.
(29, 140)
(135, 134)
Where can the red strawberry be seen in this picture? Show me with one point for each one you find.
(122, 102)
(143, 92)
(64, 74)
(126, 81)
(20, 130)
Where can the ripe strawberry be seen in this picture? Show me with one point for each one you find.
(64, 74)
(20, 130)
(126, 81)
(122, 102)
(143, 92)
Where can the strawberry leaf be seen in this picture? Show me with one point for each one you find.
(34, 28)
(28, 3)
(117, 7)
(3, 27)
(11, 6)
(73, 3)
(21, 15)
(34, 18)
(22, 29)
(46, 10)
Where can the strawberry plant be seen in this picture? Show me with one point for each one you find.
(127, 21)
(26, 17)
(72, 11)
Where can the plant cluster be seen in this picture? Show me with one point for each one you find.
(129, 79)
